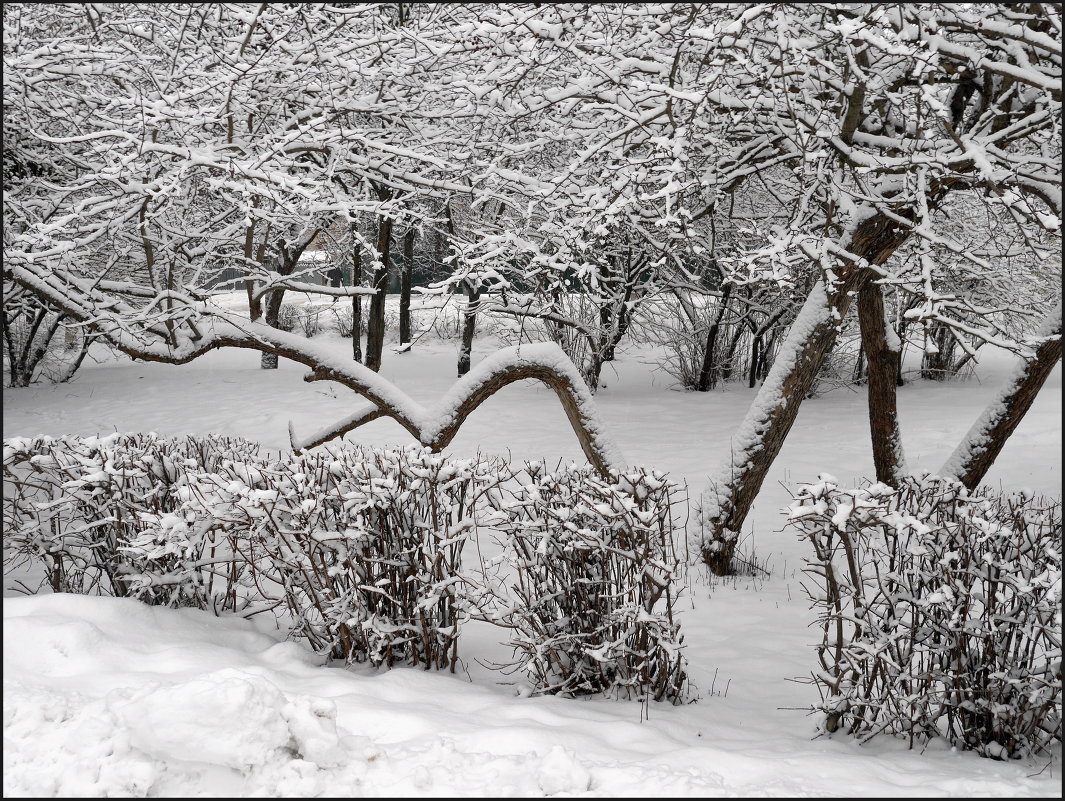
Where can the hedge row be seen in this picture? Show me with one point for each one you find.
(363, 549)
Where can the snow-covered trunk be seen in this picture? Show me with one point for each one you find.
(268, 360)
(404, 287)
(375, 328)
(882, 355)
(981, 446)
(761, 435)
(469, 326)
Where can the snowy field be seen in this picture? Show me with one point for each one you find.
(104, 696)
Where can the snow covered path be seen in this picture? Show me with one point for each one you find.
(106, 696)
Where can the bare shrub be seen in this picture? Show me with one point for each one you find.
(364, 546)
(591, 601)
(288, 317)
(940, 613)
(107, 516)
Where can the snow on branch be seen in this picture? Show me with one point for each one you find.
(434, 428)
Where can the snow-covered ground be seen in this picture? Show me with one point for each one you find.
(104, 696)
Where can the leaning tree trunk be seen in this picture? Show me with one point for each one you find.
(404, 286)
(730, 495)
(977, 452)
(375, 329)
(882, 369)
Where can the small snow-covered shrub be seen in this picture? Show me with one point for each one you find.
(590, 604)
(110, 515)
(344, 321)
(364, 545)
(940, 612)
(288, 317)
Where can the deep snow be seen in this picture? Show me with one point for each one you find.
(105, 696)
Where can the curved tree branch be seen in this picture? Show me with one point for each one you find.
(434, 428)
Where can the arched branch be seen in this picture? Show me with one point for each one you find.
(434, 427)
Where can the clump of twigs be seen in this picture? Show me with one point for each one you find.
(109, 516)
(940, 612)
(590, 604)
(364, 546)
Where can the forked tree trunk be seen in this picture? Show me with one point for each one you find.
(883, 369)
(977, 452)
(404, 287)
(375, 328)
(761, 435)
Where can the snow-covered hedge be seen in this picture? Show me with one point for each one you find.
(590, 602)
(940, 612)
(109, 515)
(364, 545)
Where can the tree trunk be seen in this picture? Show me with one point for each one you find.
(977, 452)
(761, 435)
(469, 325)
(707, 375)
(356, 300)
(882, 372)
(375, 328)
(268, 361)
(404, 287)
(755, 347)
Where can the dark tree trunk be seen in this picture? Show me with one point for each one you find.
(469, 326)
(375, 329)
(883, 369)
(268, 361)
(858, 376)
(356, 301)
(404, 287)
(773, 412)
(974, 456)
(707, 374)
(755, 353)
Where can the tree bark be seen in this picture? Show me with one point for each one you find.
(356, 300)
(469, 326)
(375, 329)
(977, 452)
(732, 492)
(268, 361)
(707, 375)
(882, 367)
(404, 286)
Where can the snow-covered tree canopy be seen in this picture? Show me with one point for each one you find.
(147, 147)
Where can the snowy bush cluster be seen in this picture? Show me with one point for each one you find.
(362, 547)
(591, 600)
(940, 612)
(364, 544)
(109, 515)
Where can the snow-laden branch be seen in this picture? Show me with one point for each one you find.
(434, 427)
